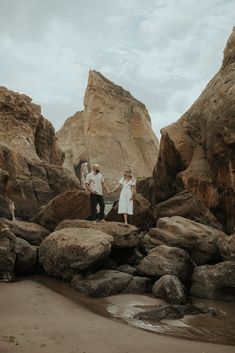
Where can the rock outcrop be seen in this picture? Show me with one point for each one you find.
(197, 153)
(31, 170)
(113, 124)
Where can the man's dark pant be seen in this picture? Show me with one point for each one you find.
(96, 200)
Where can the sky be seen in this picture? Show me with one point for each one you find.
(163, 51)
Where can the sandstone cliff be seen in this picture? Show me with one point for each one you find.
(197, 153)
(31, 170)
(114, 130)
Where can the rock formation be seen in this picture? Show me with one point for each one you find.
(197, 153)
(109, 282)
(114, 130)
(31, 170)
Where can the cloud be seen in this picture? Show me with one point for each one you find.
(162, 51)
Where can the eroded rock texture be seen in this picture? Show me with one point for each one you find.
(197, 153)
(31, 170)
(114, 130)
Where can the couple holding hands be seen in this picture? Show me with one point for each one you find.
(95, 184)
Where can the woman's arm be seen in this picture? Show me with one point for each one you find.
(116, 187)
(132, 192)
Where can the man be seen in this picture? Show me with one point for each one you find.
(95, 184)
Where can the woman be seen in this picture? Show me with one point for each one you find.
(125, 206)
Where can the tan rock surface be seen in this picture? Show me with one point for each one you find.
(73, 250)
(72, 204)
(123, 236)
(31, 170)
(197, 152)
(114, 130)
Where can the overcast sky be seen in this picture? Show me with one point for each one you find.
(163, 51)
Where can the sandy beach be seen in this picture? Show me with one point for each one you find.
(36, 319)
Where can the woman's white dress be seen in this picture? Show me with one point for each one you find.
(125, 203)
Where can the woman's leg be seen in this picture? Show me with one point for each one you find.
(125, 218)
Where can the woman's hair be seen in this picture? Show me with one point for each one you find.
(127, 172)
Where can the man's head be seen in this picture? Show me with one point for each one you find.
(96, 168)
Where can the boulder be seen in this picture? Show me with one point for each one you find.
(113, 123)
(166, 260)
(123, 236)
(214, 281)
(148, 242)
(197, 152)
(184, 204)
(7, 253)
(26, 257)
(142, 217)
(227, 247)
(110, 282)
(31, 171)
(199, 240)
(73, 250)
(169, 312)
(127, 269)
(71, 204)
(31, 232)
(169, 288)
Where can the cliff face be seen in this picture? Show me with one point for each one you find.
(197, 153)
(114, 130)
(31, 170)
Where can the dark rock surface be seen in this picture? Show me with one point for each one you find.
(214, 282)
(170, 288)
(110, 282)
(165, 260)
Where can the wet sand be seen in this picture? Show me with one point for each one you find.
(35, 319)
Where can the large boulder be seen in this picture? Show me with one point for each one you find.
(31, 232)
(7, 253)
(123, 236)
(199, 240)
(113, 123)
(71, 204)
(109, 282)
(214, 282)
(31, 171)
(73, 250)
(142, 216)
(227, 247)
(197, 152)
(166, 260)
(26, 257)
(169, 288)
(184, 204)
